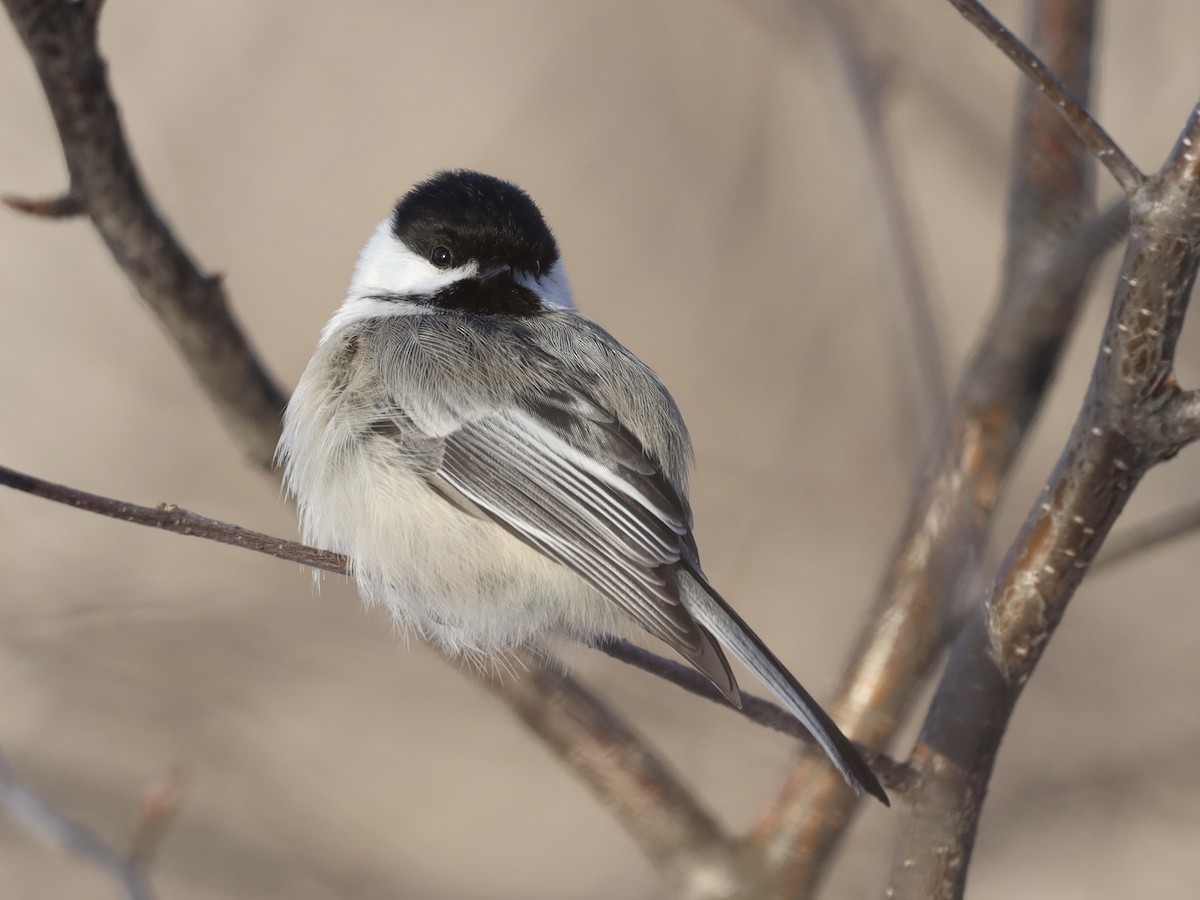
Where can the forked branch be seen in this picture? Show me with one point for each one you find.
(1073, 109)
(935, 559)
(1133, 417)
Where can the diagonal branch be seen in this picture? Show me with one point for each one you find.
(29, 810)
(1147, 536)
(950, 516)
(1129, 422)
(867, 142)
(169, 517)
(643, 793)
(1072, 108)
(61, 38)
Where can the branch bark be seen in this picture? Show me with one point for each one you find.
(192, 307)
(950, 516)
(105, 184)
(1073, 108)
(1133, 417)
(169, 517)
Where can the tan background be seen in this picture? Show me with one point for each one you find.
(686, 154)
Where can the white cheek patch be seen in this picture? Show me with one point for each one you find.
(388, 270)
(386, 266)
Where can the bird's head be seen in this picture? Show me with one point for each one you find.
(460, 242)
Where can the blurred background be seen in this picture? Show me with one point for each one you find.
(688, 155)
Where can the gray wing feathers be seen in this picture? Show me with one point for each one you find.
(715, 615)
(509, 466)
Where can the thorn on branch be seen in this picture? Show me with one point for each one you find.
(65, 206)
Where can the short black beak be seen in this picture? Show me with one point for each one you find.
(494, 272)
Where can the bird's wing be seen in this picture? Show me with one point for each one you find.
(562, 474)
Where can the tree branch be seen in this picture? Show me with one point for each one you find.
(61, 39)
(643, 793)
(949, 520)
(30, 811)
(169, 517)
(1072, 108)
(1125, 427)
(867, 142)
(1140, 538)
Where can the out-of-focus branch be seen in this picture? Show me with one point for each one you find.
(950, 516)
(30, 811)
(1136, 540)
(1072, 108)
(644, 794)
(867, 142)
(1130, 421)
(160, 806)
(169, 517)
(61, 39)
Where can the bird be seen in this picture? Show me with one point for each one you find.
(498, 469)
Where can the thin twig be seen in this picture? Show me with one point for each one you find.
(27, 809)
(892, 773)
(168, 517)
(1128, 424)
(64, 206)
(1136, 540)
(935, 560)
(160, 806)
(857, 106)
(1105, 149)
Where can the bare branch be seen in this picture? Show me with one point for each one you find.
(61, 39)
(1106, 150)
(1136, 540)
(169, 517)
(646, 797)
(935, 560)
(30, 811)
(64, 206)
(1126, 426)
(857, 106)
(893, 774)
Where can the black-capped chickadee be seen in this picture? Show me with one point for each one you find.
(497, 468)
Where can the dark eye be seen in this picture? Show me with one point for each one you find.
(441, 256)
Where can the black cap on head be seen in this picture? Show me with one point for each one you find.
(460, 216)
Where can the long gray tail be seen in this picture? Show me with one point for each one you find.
(715, 615)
